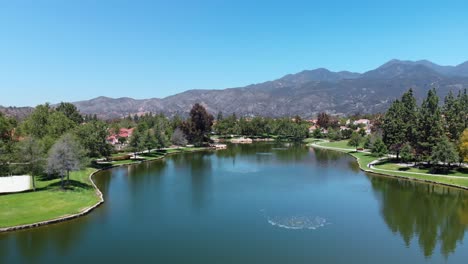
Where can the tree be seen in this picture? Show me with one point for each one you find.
(219, 117)
(31, 153)
(6, 128)
(37, 122)
(148, 141)
(93, 137)
(65, 155)
(71, 112)
(379, 148)
(409, 116)
(317, 133)
(394, 128)
(362, 132)
(369, 142)
(444, 152)
(406, 153)
(176, 122)
(178, 138)
(58, 124)
(355, 140)
(429, 125)
(346, 133)
(334, 134)
(135, 142)
(162, 130)
(228, 126)
(463, 146)
(7, 142)
(288, 129)
(323, 120)
(198, 125)
(455, 115)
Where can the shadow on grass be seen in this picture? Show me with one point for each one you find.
(71, 186)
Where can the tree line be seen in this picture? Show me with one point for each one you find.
(294, 129)
(430, 132)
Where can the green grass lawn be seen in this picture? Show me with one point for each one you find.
(48, 201)
(312, 140)
(338, 144)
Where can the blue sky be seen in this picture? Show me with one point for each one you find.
(52, 51)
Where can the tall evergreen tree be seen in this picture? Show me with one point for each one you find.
(393, 126)
(408, 115)
(198, 125)
(429, 125)
(148, 141)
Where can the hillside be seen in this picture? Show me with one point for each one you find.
(305, 93)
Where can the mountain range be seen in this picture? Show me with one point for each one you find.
(305, 93)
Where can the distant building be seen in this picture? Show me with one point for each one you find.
(124, 133)
(312, 128)
(365, 122)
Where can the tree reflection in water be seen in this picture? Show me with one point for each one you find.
(429, 213)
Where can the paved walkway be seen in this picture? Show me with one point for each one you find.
(12, 184)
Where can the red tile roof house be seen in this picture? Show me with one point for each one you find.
(125, 133)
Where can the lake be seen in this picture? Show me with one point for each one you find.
(258, 203)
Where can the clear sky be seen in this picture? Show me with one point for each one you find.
(52, 51)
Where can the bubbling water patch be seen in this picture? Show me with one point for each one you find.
(296, 222)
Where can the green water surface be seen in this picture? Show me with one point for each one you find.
(259, 203)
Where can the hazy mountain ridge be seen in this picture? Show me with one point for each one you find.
(305, 93)
(18, 112)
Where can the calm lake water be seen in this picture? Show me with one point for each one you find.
(260, 203)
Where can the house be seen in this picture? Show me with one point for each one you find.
(312, 128)
(365, 122)
(124, 133)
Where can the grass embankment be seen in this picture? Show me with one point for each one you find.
(49, 201)
(393, 169)
(391, 165)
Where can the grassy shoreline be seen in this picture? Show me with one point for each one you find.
(49, 202)
(458, 180)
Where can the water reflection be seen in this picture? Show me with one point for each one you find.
(31, 244)
(194, 204)
(200, 171)
(423, 212)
